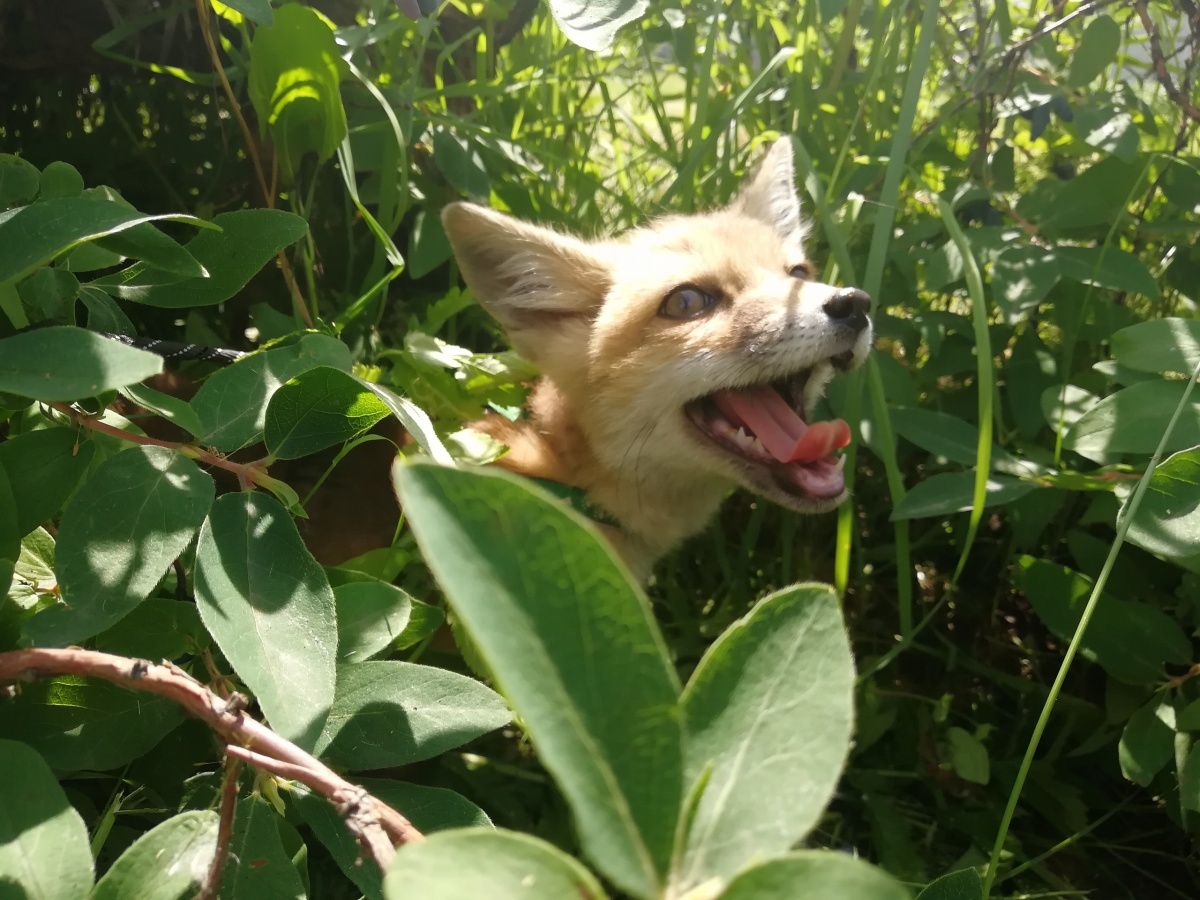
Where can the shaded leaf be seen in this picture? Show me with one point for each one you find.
(1096, 51)
(1168, 520)
(18, 181)
(371, 617)
(65, 363)
(168, 862)
(1021, 279)
(951, 492)
(60, 179)
(1133, 421)
(318, 409)
(156, 629)
(965, 884)
(1147, 742)
(1160, 345)
(1107, 267)
(968, 756)
(258, 868)
(814, 873)
(255, 10)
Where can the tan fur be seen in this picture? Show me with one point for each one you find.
(607, 415)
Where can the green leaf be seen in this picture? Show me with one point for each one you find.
(1133, 421)
(269, 607)
(156, 629)
(1022, 276)
(10, 536)
(45, 229)
(18, 181)
(119, 535)
(459, 161)
(371, 616)
(593, 24)
(77, 723)
(318, 409)
(965, 884)
(146, 243)
(814, 873)
(176, 411)
(1168, 520)
(44, 851)
(33, 571)
(248, 240)
(1189, 780)
(415, 422)
(498, 865)
(293, 84)
(430, 809)
(1130, 640)
(968, 756)
(168, 862)
(428, 246)
(1096, 196)
(1189, 717)
(258, 868)
(768, 716)
(60, 179)
(1107, 267)
(394, 713)
(255, 10)
(232, 403)
(949, 437)
(566, 633)
(46, 466)
(49, 294)
(1160, 345)
(1147, 742)
(951, 492)
(65, 363)
(1097, 50)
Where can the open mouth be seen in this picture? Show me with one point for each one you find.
(763, 429)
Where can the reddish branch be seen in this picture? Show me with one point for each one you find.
(377, 827)
(1160, 65)
(229, 796)
(247, 473)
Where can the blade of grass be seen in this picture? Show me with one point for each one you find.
(1128, 511)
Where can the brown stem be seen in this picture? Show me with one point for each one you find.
(229, 797)
(377, 827)
(1160, 65)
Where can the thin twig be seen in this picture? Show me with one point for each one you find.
(229, 798)
(377, 827)
(1160, 65)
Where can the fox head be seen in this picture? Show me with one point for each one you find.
(679, 359)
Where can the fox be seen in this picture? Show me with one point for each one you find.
(677, 361)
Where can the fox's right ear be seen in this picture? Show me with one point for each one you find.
(542, 286)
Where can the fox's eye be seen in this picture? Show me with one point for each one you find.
(804, 270)
(686, 303)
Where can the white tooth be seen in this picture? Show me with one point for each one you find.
(841, 463)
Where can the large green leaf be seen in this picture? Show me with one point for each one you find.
(1022, 276)
(415, 422)
(393, 713)
(256, 10)
(1160, 345)
(951, 492)
(1107, 267)
(231, 405)
(1096, 196)
(168, 862)
(1168, 520)
(1130, 640)
(965, 884)
(483, 862)
(430, 809)
(156, 629)
(43, 842)
(949, 437)
(318, 409)
(768, 716)
(18, 181)
(45, 229)
(118, 536)
(293, 83)
(371, 617)
(269, 607)
(65, 363)
(1095, 52)
(1133, 421)
(77, 723)
(593, 24)
(1147, 741)
(247, 241)
(573, 645)
(814, 873)
(1189, 780)
(258, 868)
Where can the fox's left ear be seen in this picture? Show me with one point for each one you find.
(771, 197)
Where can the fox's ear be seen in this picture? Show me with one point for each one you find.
(771, 196)
(542, 286)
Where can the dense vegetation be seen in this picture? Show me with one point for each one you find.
(1017, 186)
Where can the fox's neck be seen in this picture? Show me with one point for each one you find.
(656, 509)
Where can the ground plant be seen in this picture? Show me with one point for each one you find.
(270, 627)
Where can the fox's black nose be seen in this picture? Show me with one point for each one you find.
(849, 307)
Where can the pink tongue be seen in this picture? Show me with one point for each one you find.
(776, 425)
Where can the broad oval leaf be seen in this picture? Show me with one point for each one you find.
(45, 229)
(1096, 51)
(1021, 278)
(1160, 345)
(950, 437)
(1107, 267)
(60, 179)
(372, 615)
(1168, 520)
(269, 607)
(965, 884)
(430, 809)
(768, 716)
(593, 24)
(1130, 640)
(951, 492)
(1147, 742)
(485, 862)
(78, 723)
(168, 862)
(1133, 421)
(44, 851)
(231, 405)
(118, 536)
(814, 873)
(318, 409)
(392, 713)
(247, 241)
(19, 180)
(66, 363)
(566, 633)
